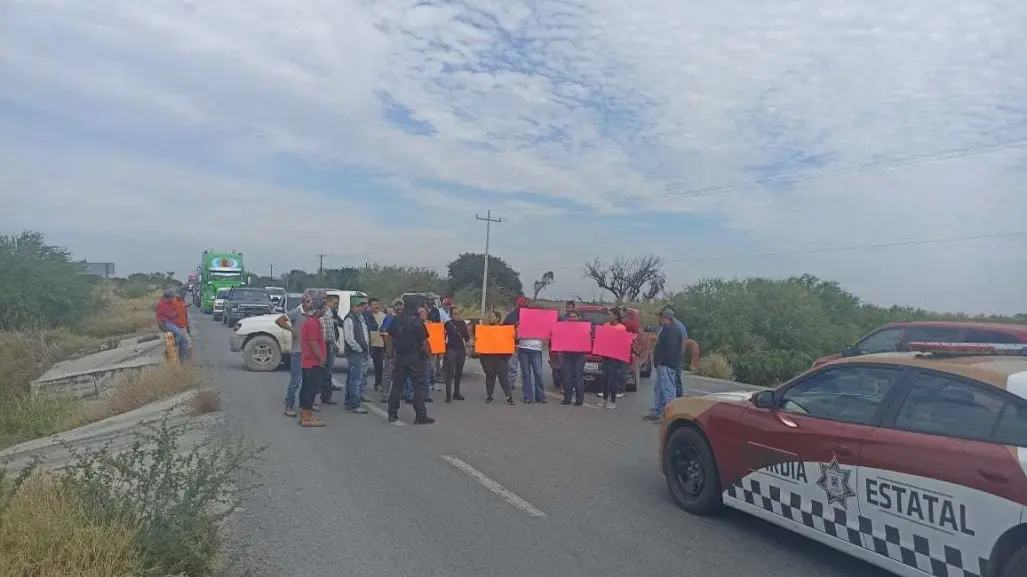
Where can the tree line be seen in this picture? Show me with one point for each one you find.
(768, 329)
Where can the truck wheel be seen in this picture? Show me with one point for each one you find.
(691, 472)
(1016, 566)
(262, 354)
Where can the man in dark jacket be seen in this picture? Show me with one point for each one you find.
(409, 340)
(667, 361)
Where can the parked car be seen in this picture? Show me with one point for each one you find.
(277, 294)
(261, 341)
(911, 461)
(217, 313)
(242, 302)
(892, 337)
(641, 362)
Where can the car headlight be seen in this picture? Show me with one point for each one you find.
(236, 328)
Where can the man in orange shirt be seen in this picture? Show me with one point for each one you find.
(182, 316)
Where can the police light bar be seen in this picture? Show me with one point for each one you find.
(986, 349)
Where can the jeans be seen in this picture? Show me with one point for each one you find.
(531, 375)
(180, 340)
(512, 370)
(573, 366)
(613, 374)
(355, 379)
(679, 389)
(378, 361)
(663, 389)
(326, 385)
(295, 379)
(386, 388)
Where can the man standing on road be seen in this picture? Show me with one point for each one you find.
(456, 354)
(182, 313)
(331, 330)
(409, 339)
(293, 321)
(357, 347)
(387, 363)
(667, 361)
(512, 318)
(167, 321)
(314, 353)
(573, 365)
(377, 341)
(679, 388)
(568, 308)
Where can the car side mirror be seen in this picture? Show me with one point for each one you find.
(764, 400)
(850, 351)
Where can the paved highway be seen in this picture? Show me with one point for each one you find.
(486, 490)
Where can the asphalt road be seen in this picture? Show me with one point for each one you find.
(488, 489)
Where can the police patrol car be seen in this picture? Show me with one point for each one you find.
(914, 461)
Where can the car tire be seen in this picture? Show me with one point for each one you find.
(1016, 565)
(688, 443)
(262, 354)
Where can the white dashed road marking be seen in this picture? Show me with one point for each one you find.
(370, 406)
(493, 486)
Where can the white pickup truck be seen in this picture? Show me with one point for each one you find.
(262, 342)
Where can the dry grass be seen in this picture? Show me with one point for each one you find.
(714, 365)
(205, 401)
(47, 532)
(140, 389)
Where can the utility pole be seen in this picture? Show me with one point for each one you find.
(321, 264)
(271, 263)
(485, 272)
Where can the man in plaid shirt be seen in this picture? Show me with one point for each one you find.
(331, 329)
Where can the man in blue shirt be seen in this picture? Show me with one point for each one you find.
(679, 388)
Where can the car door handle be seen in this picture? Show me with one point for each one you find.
(993, 475)
(842, 451)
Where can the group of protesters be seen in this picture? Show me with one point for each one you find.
(396, 345)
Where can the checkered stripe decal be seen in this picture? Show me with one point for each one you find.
(943, 561)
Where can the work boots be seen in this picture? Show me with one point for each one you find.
(307, 419)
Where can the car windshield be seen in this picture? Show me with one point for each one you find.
(222, 293)
(594, 317)
(275, 291)
(249, 294)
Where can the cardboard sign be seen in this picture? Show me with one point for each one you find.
(571, 337)
(536, 323)
(494, 339)
(436, 338)
(613, 343)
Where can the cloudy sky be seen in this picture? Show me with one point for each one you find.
(738, 138)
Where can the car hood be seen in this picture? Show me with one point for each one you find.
(730, 396)
(251, 303)
(259, 320)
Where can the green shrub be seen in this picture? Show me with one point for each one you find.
(715, 366)
(175, 496)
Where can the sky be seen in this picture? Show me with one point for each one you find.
(744, 138)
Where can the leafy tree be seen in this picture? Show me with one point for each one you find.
(542, 283)
(629, 279)
(388, 282)
(41, 286)
(465, 273)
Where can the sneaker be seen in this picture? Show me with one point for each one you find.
(620, 395)
(429, 400)
(449, 400)
(290, 412)
(329, 402)
(393, 418)
(458, 397)
(510, 401)
(602, 403)
(652, 417)
(358, 410)
(565, 402)
(316, 408)
(600, 395)
(578, 403)
(488, 399)
(424, 421)
(543, 401)
(611, 405)
(436, 388)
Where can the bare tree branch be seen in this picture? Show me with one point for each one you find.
(544, 281)
(627, 278)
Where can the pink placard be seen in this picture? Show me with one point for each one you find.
(571, 337)
(536, 323)
(613, 343)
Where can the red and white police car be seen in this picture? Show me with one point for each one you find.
(914, 461)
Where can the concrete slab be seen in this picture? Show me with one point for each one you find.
(91, 375)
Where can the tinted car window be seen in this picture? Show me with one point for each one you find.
(852, 394)
(884, 341)
(249, 294)
(223, 293)
(1012, 425)
(933, 335)
(940, 405)
(992, 337)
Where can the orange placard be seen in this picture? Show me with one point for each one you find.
(494, 339)
(436, 338)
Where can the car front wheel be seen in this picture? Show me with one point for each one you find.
(1016, 566)
(691, 472)
(262, 354)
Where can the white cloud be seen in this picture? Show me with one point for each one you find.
(610, 104)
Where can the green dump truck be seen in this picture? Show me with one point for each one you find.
(219, 270)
